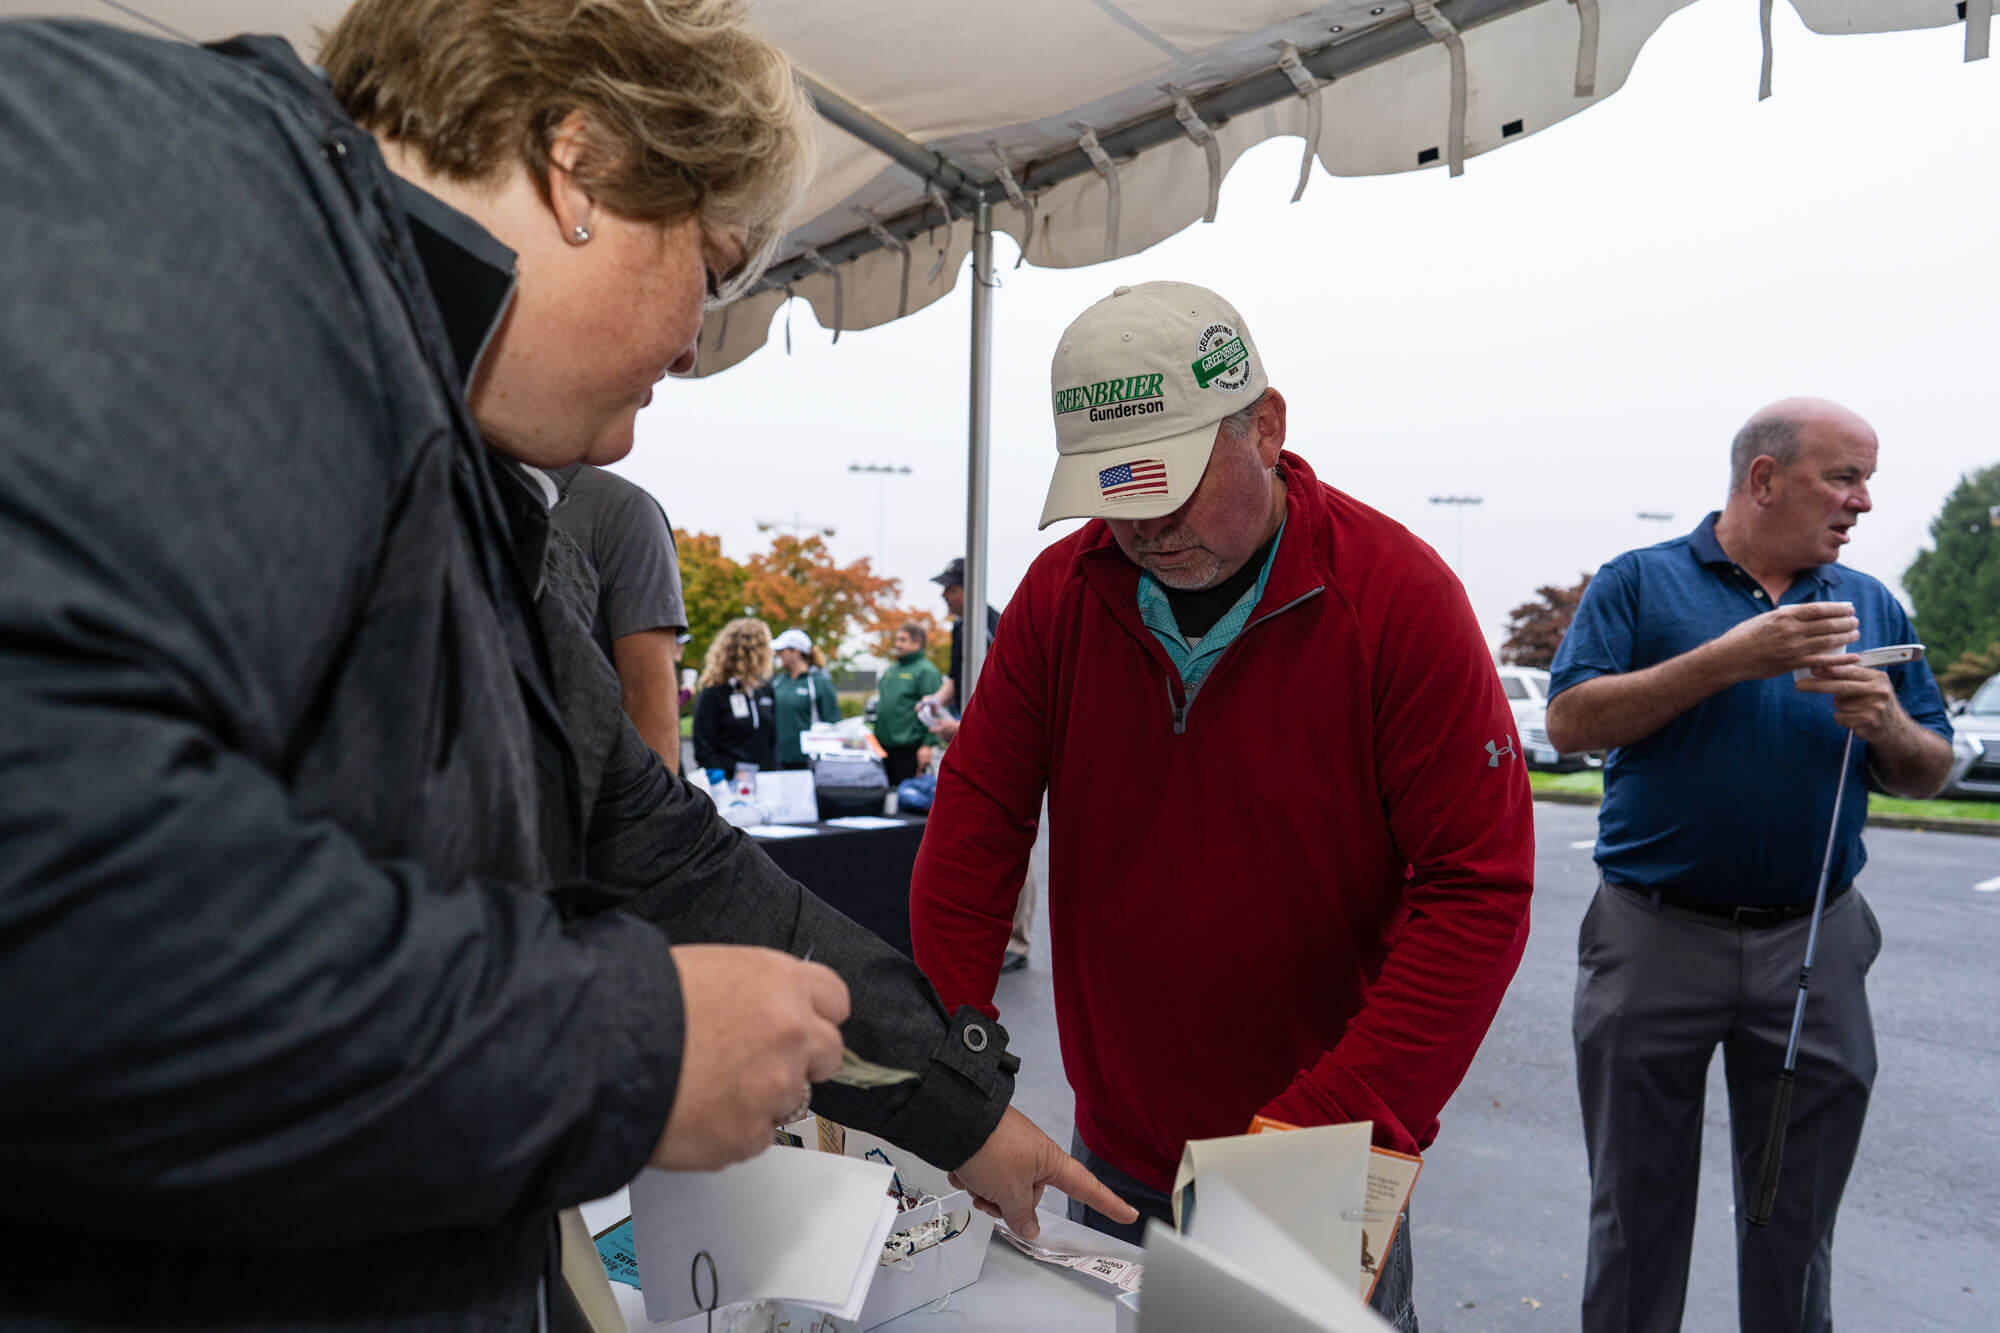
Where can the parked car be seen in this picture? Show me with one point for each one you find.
(1528, 695)
(1975, 746)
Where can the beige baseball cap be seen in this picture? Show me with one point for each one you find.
(1140, 381)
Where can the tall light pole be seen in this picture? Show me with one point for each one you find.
(1654, 516)
(1458, 503)
(881, 472)
(795, 524)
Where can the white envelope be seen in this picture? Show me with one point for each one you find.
(787, 1225)
(1312, 1183)
(1241, 1271)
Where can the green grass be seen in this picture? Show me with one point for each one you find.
(1895, 805)
(1584, 780)
(1592, 781)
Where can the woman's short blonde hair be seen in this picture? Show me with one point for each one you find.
(741, 652)
(687, 111)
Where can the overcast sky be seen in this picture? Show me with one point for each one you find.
(1572, 330)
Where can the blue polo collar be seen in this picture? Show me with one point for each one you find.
(1708, 550)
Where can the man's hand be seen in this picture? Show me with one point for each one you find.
(1864, 699)
(1007, 1175)
(1810, 634)
(761, 1028)
(946, 728)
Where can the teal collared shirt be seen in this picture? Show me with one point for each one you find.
(1194, 660)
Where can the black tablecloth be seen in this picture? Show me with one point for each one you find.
(863, 872)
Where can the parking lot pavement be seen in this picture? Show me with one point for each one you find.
(1501, 1207)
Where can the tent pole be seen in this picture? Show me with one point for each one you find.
(972, 624)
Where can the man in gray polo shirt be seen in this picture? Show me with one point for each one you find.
(626, 539)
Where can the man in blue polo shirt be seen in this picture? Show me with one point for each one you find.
(1717, 795)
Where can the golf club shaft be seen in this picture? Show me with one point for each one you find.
(1819, 905)
(1765, 1197)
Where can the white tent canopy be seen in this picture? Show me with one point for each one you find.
(1096, 129)
(1092, 129)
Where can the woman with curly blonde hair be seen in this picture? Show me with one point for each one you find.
(735, 718)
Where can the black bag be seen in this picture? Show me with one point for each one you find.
(850, 783)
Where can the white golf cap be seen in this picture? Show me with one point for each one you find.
(793, 638)
(1140, 381)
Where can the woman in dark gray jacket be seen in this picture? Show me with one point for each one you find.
(347, 931)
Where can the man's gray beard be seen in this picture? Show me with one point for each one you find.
(1205, 572)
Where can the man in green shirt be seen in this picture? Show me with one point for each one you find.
(897, 725)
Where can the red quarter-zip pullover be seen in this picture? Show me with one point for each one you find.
(1303, 892)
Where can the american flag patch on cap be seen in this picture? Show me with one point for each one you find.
(1142, 476)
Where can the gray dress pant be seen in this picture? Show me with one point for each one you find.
(1657, 990)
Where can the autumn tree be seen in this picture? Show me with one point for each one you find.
(1955, 585)
(711, 590)
(798, 583)
(1535, 629)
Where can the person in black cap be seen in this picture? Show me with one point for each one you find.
(952, 580)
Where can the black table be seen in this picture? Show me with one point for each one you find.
(865, 873)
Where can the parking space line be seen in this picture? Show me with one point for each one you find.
(1592, 842)
(1987, 885)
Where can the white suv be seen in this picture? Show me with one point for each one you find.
(1528, 695)
(1975, 746)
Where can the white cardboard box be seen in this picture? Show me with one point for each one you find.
(931, 1274)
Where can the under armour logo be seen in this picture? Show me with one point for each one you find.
(1494, 752)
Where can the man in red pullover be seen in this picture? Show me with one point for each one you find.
(1291, 841)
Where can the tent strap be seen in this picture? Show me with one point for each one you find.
(1087, 142)
(1586, 48)
(1440, 27)
(1197, 129)
(1978, 29)
(1016, 197)
(1308, 88)
(890, 241)
(839, 314)
(1764, 28)
(944, 206)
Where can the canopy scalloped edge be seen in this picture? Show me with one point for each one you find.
(1385, 118)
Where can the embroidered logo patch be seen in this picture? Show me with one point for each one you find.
(1222, 361)
(1133, 480)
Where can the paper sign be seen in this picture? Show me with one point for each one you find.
(787, 796)
(1391, 1177)
(803, 1227)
